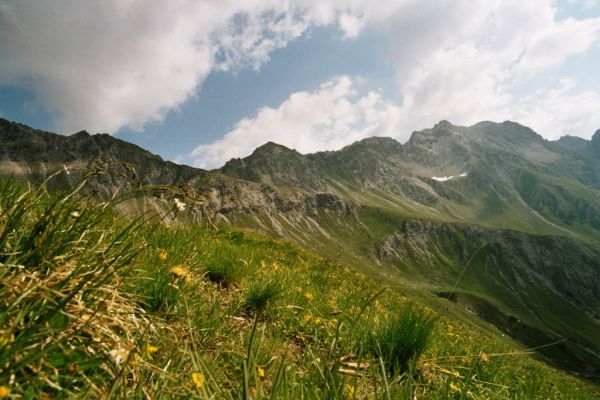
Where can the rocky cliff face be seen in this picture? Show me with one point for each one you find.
(227, 199)
(520, 257)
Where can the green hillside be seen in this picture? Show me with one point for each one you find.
(490, 223)
(96, 305)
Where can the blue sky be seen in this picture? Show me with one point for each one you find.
(201, 82)
(227, 97)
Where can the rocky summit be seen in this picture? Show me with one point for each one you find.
(491, 217)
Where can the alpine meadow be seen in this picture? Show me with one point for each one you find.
(300, 199)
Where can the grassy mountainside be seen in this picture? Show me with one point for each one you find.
(95, 305)
(492, 217)
(548, 285)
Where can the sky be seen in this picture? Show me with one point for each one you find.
(202, 81)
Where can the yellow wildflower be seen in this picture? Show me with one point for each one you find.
(307, 317)
(151, 349)
(75, 214)
(7, 340)
(260, 372)
(162, 254)
(484, 357)
(4, 392)
(318, 321)
(309, 296)
(454, 388)
(198, 379)
(350, 391)
(179, 271)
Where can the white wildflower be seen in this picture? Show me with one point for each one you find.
(179, 205)
(118, 355)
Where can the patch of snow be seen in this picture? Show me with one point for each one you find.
(447, 178)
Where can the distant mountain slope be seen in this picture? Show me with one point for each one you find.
(33, 153)
(490, 216)
(503, 179)
(498, 175)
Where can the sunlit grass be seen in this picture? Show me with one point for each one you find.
(399, 340)
(94, 304)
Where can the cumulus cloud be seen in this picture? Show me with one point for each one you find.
(123, 63)
(332, 116)
(454, 60)
(560, 111)
(461, 61)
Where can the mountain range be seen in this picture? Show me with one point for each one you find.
(492, 217)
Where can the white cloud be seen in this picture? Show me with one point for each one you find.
(461, 61)
(560, 111)
(122, 63)
(351, 25)
(455, 60)
(332, 116)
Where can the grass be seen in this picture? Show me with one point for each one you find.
(61, 309)
(261, 294)
(96, 305)
(399, 340)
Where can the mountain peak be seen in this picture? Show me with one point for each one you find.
(80, 134)
(272, 148)
(378, 140)
(377, 144)
(443, 124)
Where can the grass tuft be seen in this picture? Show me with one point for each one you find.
(225, 272)
(400, 339)
(61, 309)
(261, 294)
